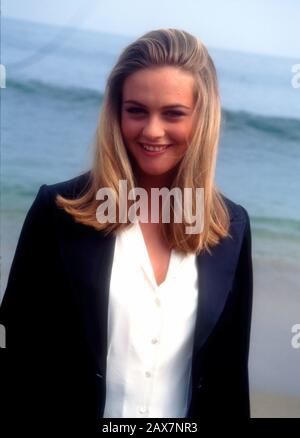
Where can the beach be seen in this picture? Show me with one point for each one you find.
(273, 363)
(273, 405)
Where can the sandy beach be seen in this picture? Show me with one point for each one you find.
(274, 365)
(268, 405)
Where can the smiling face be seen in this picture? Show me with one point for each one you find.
(157, 119)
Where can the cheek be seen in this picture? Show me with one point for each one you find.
(182, 133)
(129, 128)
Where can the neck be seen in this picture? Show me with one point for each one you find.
(154, 181)
(148, 182)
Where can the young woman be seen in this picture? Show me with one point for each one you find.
(123, 318)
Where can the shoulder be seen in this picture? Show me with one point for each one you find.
(240, 225)
(44, 202)
(70, 188)
(237, 212)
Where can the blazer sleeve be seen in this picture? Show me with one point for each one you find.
(239, 329)
(25, 280)
(224, 383)
(23, 314)
(47, 373)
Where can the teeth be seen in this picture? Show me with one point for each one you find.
(153, 149)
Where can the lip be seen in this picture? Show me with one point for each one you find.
(153, 144)
(153, 153)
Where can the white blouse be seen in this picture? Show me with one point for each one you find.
(150, 332)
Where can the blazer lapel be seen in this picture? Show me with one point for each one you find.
(88, 256)
(215, 277)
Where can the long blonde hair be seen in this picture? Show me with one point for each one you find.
(111, 163)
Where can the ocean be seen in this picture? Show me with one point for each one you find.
(55, 79)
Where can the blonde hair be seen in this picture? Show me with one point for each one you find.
(158, 48)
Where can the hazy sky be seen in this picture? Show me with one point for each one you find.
(260, 26)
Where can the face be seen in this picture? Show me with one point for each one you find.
(157, 119)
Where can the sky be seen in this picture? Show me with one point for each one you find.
(258, 26)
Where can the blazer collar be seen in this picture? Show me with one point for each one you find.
(87, 255)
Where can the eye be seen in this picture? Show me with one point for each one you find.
(134, 110)
(175, 113)
(168, 113)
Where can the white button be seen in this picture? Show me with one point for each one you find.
(147, 374)
(143, 410)
(157, 301)
(154, 341)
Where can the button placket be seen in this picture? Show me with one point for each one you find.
(150, 368)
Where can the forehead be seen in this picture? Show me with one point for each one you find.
(159, 86)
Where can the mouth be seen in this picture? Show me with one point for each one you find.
(153, 150)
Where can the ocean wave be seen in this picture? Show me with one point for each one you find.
(276, 227)
(280, 126)
(55, 91)
(288, 128)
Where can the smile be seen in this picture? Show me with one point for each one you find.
(149, 148)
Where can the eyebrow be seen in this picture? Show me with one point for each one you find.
(135, 102)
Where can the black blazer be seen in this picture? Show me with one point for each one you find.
(55, 313)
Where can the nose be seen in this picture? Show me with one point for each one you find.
(153, 129)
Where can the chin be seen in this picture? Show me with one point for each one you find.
(155, 172)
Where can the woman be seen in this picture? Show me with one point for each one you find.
(120, 318)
